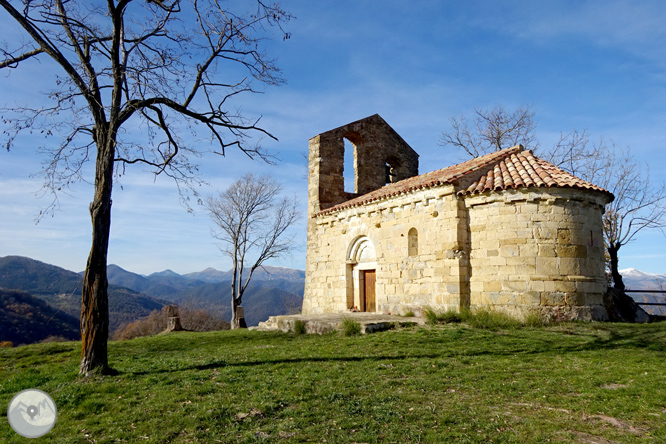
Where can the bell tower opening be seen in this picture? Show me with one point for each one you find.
(348, 167)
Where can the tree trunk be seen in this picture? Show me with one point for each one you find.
(237, 315)
(95, 300)
(234, 318)
(617, 277)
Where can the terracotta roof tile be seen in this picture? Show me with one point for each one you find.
(510, 168)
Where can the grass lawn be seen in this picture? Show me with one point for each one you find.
(582, 383)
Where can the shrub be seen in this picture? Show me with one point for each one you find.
(409, 314)
(447, 317)
(491, 319)
(156, 322)
(6, 344)
(350, 327)
(299, 327)
(450, 316)
(430, 315)
(54, 339)
(201, 320)
(535, 320)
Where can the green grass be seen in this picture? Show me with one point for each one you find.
(445, 383)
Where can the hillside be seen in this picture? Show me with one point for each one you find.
(25, 319)
(61, 289)
(133, 296)
(259, 301)
(272, 291)
(570, 383)
(265, 273)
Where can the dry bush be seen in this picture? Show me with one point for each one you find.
(54, 338)
(293, 305)
(156, 322)
(201, 320)
(6, 344)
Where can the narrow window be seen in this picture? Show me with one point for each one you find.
(390, 174)
(348, 167)
(413, 242)
(391, 170)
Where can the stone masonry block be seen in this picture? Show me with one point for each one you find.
(555, 298)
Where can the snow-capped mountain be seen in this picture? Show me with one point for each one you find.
(639, 280)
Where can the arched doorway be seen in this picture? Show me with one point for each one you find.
(361, 275)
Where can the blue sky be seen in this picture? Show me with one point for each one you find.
(599, 66)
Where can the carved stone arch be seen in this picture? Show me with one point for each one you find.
(361, 250)
(361, 274)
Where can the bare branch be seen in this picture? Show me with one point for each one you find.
(492, 130)
(252, 223)
(12, 62)
(151, 65)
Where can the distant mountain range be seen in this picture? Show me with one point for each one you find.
(61, 289)
(266, 273)
(273, 291)
(639, 280)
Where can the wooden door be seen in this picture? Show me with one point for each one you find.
(369, 291)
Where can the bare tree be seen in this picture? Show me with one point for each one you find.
(638, 203)
(155, 65)
(492, 130)
(251, 220)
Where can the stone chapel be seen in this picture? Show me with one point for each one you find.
(506, 231)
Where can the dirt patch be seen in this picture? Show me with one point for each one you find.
(586, 438)
(614, 386)
(615, 422)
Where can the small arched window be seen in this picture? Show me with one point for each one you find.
(413, 242)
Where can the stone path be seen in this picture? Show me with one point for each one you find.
(326, 323)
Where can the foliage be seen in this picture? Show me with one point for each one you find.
(25, 319)
(350, 327)
(61, 289)
(156, 322)
(533, 319)
(6, 344)
(485, 319)
(446, 317)
(299, 327)
(569, 383)
(409, 314)
(490, 319)
(430, 315)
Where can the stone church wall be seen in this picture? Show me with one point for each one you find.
(428, 275)
(515, 251)
(538, 250)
